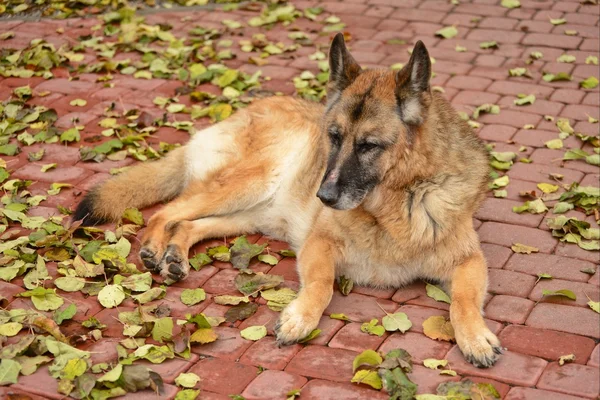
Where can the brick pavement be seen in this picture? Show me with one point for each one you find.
(536, 330)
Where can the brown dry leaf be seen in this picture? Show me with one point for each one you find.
(438, 328)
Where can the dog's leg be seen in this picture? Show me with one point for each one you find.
(469, 284)
(199, 200)
(316, 266)
(174, 264)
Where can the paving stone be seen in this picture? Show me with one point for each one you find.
(263, 316)
(501, 210)
(416, 293)
(267, 354)
(522, 393)
(350, 337)
(507, 235)
(572, 379)
(359, 307)
(323, 363)
(496, 256)
(493, 132)
(327, 390)
(273, 385)
(510, 283)
(223, 376)
(545, 343)
(170, 369)
(594, 360)
(71, 175)
(509, 309)
(577, 320)
(418, 345)
(512, 368)
(329, 328)
(581, 290)
(574, 251)
(229, 345)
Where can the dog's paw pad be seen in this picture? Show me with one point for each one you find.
(149, 259)
(174, 265)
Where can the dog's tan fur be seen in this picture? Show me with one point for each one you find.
(259, 171)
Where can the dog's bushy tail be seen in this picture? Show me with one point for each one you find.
(140, 186)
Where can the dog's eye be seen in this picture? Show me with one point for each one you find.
(366, 147)
(335, 137)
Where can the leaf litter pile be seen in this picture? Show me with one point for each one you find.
(59, 265)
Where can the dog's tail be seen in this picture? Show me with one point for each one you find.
(140, 186)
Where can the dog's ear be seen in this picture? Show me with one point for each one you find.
(412, 85)
(343, 69)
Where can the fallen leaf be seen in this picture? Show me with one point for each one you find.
(566, 359)
(396, 322)
(242, 252)
(230, 300)
(240, 312)
(312, 335)
(9, 372)
(563, 292)
(345, 285)
(433, 363)
(372, 328)
(437, 294)
(438, 328)
(111, 296)
(511, 3)
(589, 83)
(448, 32)
(187, 380)
(547, 187)
(254, 332)
(250, 283)
(190, 297)
(341, 317)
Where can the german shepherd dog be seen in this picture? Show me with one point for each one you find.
(379, 185)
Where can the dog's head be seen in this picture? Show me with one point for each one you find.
(372, 116)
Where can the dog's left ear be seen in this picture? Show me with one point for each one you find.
(412, 85)
(343, 69)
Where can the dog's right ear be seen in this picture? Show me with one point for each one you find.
(343, 69)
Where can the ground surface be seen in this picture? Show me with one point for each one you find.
(536, 330)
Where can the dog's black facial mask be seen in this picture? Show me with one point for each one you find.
(368, 113)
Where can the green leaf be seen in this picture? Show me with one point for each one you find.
(562, 207)
(448, 32)
(9, 149)
(563, 292)
(593, 159)
(187, 380)
(366, 358)
(489, 45)
(44, 299)
(67, 313)
(396, 322)
(367, 377)
(10, 328)
(278, 299)
(589, 83)
(521, 101)
(437, 294)
(566, 58)
(230, 300)
(254, 332)
(345, 285)
(69, 283)
(71, 135)
(134, 215)
(9, 372)
(341, 317)
(547, 187)
(486, 108)
(47, 167)
(432, 363)
(268, 259)
(163, 329)
(199, 260)
(190, 297)
(149, 295)
(312, 335)
(111, 296)
(561, 76)
(372, 328)
(554, 144)
(187, 394)
(398, 385)
(594, 305)
(511, 3)
(138, 282)
(113, 375)
(242, 252)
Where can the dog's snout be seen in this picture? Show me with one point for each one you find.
(328, 193)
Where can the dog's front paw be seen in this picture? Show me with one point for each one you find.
(174, 265)
(295, 323)
(481, 348)
(150, 258)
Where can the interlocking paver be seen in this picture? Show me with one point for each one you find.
(545, 343)
(523, 393)
(573, 379)
(323, 363)
(577, 320)
(328, 390)
(273, 384)
(509, 309)
(223, 376)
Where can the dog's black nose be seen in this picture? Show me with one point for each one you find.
(328, 193)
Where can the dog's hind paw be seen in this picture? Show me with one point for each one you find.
(294, 324)
(174, 265)
(150, 259)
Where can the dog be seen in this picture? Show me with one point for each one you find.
(380, 185)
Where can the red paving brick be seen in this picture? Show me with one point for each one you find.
(535, 329)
